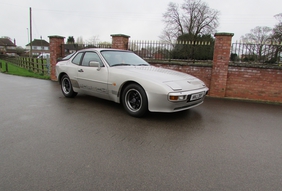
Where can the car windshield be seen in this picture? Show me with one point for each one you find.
(123, 58)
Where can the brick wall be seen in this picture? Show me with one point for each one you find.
(254, 83)
(231, 80)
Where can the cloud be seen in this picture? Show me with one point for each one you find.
(142, 20)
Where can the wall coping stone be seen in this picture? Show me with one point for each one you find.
(181, 63)
(120, 35)
(255, 65)
(55, 36)
(209, 64)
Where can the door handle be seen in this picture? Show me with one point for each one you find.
(80, 70)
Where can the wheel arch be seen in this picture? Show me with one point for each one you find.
(60, 76)
(125, 84)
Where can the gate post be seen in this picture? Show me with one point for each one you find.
(221, 57)
(120, 41)
(56, 51)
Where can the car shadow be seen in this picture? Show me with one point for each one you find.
(92, 104)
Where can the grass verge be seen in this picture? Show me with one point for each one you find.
(16, 70)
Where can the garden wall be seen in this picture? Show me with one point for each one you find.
(255, 83)
(244, 82)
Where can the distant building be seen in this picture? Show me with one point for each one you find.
(39, 46)
(71, 48)
(7, 47)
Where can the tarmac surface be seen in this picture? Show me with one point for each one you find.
(49, 142)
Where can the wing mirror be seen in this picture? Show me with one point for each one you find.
(95, 64)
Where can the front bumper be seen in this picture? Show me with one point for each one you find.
(161, 103)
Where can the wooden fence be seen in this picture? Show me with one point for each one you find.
(35, 65)
(4, 65)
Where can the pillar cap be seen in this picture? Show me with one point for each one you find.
(224, 34)
(56, 36)
(120, 35)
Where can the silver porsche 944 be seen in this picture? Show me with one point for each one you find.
(123, 77)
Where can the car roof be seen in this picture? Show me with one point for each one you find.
(102, 49)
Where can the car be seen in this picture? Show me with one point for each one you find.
(123, 77)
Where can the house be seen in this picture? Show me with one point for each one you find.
(8, 47)
(71, 48)
(39, 46)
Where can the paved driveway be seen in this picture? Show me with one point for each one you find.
(48, 142)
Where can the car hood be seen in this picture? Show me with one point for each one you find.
(174, 79)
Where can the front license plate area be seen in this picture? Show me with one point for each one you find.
(197, 96)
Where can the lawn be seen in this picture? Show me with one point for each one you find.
(16, 70)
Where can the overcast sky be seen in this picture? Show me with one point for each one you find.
(140, 19)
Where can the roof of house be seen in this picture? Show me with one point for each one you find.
(6, 42)
(39, 42)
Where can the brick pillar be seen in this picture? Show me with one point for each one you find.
(56, 52)
(221, 57)
(120, 41)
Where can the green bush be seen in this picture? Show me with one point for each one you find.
(194, 48)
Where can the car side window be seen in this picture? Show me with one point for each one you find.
(90, 56)
(77, 58)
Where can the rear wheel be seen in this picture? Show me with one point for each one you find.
(134, 100)
(66, 87)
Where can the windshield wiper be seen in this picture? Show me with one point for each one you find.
(143, 65)
(121, 64)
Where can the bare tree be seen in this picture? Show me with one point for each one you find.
(93, 40)
(174, 23)
(79, 40)
(194, 17)
(200, 18)
(258, 35)
(256, 42)
(277, 37)
(277, 30)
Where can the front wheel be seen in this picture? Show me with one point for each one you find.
(66, 87)
(134, 100)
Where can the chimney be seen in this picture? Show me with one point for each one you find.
(14, 41)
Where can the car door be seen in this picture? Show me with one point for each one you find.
(93, 80)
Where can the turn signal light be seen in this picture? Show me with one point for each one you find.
(173, 98)
(177, 98)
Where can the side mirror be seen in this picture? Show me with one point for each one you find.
(95, 64)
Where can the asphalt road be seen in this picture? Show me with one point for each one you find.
(48, 142)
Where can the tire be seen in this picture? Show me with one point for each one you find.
(66, 87)
(134, 100)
